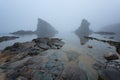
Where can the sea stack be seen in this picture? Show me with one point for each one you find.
(84, 28)
(83, 31)
(44, 29)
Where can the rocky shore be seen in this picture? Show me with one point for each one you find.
(6, 38)
(26, 61)
(40, 59)
(110, 68)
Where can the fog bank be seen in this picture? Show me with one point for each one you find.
(64, 15)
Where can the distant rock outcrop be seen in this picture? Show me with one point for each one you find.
(44, 29)
(112, 28)
(83, 31)
(104, 33)
(23, 32)
(84, 28)
(111, 31)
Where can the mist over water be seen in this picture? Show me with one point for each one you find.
(64, 15)
(89, 29)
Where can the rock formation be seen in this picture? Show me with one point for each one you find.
(39, 59)
(23, 32)
(44, 29)
(83, 31)
(29, 60)
(109, 70)
(111, 56)
(84, 28)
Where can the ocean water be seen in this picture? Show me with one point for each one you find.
(11, 42)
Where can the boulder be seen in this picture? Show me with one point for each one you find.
(90, 46)
(111, 56)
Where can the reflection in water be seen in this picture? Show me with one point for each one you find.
(83, 31)
(111, 43)
(83, 40)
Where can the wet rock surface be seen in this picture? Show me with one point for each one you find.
(109, 70)
(75, 73)
(25, 61)
(37, 60)
(35, 47)
(7, 38)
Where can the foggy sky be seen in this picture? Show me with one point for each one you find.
(62, 14)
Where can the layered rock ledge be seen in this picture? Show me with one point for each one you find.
(26, 61)
(6, 38)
